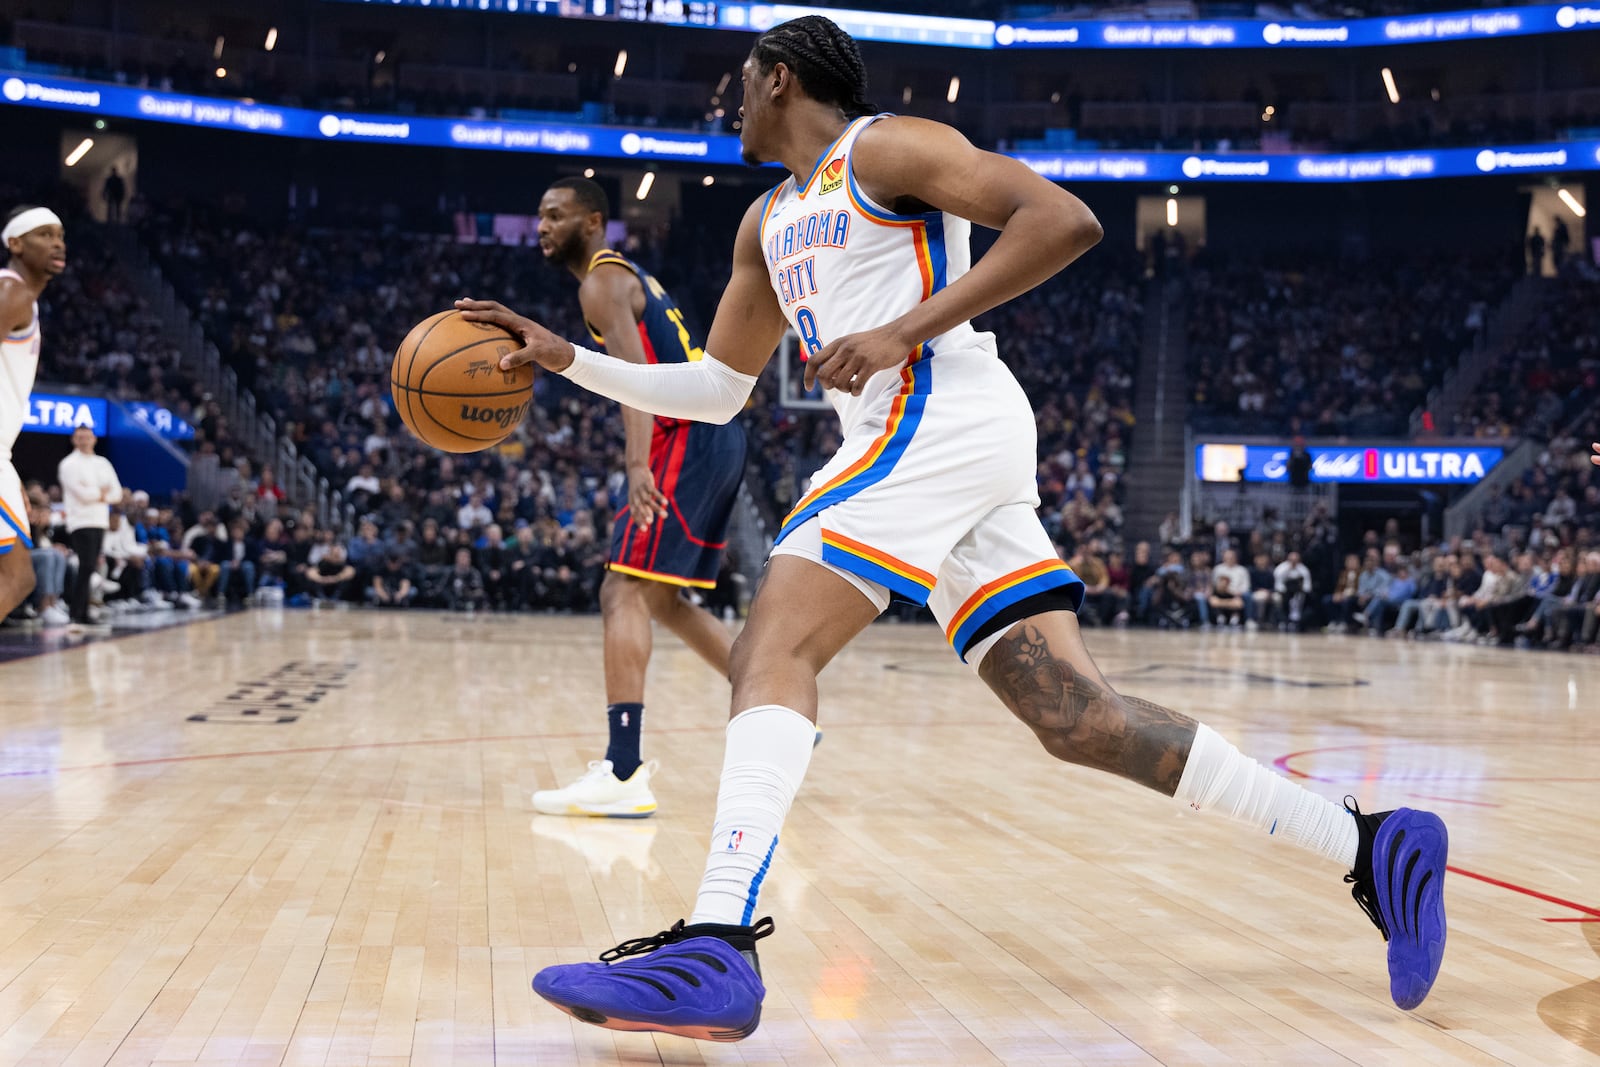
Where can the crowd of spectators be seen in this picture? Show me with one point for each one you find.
(1331, 347)
(1528, 575)
(309, 321)
(1552, 371)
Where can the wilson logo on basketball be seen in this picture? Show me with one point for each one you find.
(505, 418)
(832, 177)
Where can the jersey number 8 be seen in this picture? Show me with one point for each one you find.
(806, 323)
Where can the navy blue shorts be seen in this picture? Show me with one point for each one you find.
(698, 467)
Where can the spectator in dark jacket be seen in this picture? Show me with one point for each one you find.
(239, 565)
(392, 586)
(464, 584)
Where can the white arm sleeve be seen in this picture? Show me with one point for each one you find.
(704, 391)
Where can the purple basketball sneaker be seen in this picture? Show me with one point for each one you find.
(700, 981)
(1398, 880)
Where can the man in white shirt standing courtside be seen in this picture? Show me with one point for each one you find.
(89, 487)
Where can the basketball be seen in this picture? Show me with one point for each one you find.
(448, 386)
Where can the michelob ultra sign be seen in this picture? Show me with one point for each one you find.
(1348, 463)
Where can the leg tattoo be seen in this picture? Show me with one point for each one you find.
(1083, 722)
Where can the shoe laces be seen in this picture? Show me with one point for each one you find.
(1363, 884)
(680, 931)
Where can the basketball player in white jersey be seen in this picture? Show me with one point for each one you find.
(36, 249)
(862, 251)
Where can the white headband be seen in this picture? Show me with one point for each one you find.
(28, 221)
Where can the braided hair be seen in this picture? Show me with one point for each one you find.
(823, 57)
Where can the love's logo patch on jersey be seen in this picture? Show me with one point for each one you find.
(832, 177)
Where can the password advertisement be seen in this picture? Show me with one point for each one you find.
(1292, 167)
(1348, 33)
(120, 101)
(1053, 33)
(723, 149)
(1405, 465)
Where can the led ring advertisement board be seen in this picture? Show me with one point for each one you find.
(119, 101)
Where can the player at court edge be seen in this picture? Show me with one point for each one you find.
(36, 250)
(863, 251)
(683, 478)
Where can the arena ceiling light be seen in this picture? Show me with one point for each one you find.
(1572, 203)
(708, 180)
(222, 72)
(954, 91)
(216, 49)
(588, 172)
(272, 38)
(1172, 212)
(78, 153)
(621, 65)
(645, 185)
(1390, 87)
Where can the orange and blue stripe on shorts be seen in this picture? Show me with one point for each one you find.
(994, 597)
(877, 566)
(12, 530)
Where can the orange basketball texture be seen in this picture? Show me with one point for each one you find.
(448, 386)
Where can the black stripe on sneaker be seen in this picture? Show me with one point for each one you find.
(1416, 904)
(679, 972)
(1405, 891)
(708, 959)
(1394, 859)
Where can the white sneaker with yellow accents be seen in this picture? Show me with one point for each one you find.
(600, 793)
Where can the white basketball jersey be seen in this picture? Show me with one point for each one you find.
(19, 363)
(841, 264)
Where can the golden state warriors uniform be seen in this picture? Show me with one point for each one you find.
(697, 466)
(19, 362)
(932, 495)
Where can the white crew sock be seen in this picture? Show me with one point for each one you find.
(768, 751)
(1219, 778)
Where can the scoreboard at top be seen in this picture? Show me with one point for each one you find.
(669, 12)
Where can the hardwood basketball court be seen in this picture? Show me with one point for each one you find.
(306, 838)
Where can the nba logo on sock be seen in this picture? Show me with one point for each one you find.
(735, 839)
(624, 718)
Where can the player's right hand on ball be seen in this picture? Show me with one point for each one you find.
(539, 344)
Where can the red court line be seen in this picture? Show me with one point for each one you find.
(1595, 912)
(1571, 920)
(1282, 762)
(1454, 800)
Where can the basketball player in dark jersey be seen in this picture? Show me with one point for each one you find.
(682, 480)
